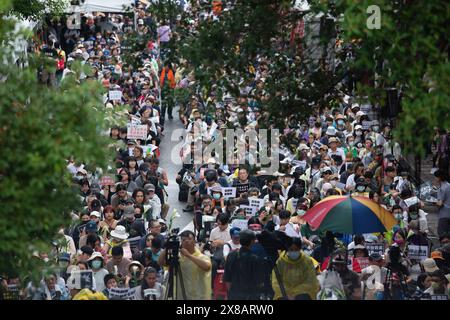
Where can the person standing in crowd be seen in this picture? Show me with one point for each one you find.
(243, 271)
(443, 202)
(195, 267)
(167, 82)
(295, 273)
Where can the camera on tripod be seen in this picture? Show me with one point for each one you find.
(173, 243)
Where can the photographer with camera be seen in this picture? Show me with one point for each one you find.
(150, 288)
(194, 266)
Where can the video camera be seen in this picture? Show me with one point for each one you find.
(173, 245)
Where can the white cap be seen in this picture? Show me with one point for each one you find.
(95, 213)
(358, 127)
(360, 113)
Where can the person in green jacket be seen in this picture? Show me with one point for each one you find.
(297, 276)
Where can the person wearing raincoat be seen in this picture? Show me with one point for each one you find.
(297, 274)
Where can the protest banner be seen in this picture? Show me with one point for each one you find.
(115, 95)
(137, 132)
(417, 252)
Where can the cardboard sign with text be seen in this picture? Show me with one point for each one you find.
(375, 247)
(240, 223)
(115, 95)
(137, 132)
(249, 211)
(417, 252)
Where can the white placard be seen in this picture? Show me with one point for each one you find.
(411, 201)
(123, 293)
(256, 203)
(153, 294)
(249, 211)
(298, 163)
(417, 252)
(366, 125)
(137, 132)
(240, 223)
(115, 95)
(229, 193)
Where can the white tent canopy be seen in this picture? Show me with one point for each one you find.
(101, 6)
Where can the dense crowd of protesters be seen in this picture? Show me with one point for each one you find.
(123, 234)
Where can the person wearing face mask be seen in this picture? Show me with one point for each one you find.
(296, 274)
(358, 133)
(96, 263)
(217, 195)
(340, 122)
(350, 146)
(416, 214)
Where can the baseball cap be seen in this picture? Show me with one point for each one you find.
(95, 213)
(234, 232)
(149, 187)
(128, 211)
(91, 226)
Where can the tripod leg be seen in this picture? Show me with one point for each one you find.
(180, 275)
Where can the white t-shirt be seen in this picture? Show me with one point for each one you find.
(227, 250)
(217, 234)
(99, 279)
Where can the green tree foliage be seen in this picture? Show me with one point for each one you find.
(41, 127)
(409, 52)
(36, 9)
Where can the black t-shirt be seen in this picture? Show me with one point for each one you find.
(243, 270)
(49, 52)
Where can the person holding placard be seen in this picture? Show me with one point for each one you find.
(150, 288)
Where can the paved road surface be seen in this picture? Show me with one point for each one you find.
(170, 145)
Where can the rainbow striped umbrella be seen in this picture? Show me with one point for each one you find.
(349, 215)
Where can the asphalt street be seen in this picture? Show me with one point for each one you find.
(170, 148)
